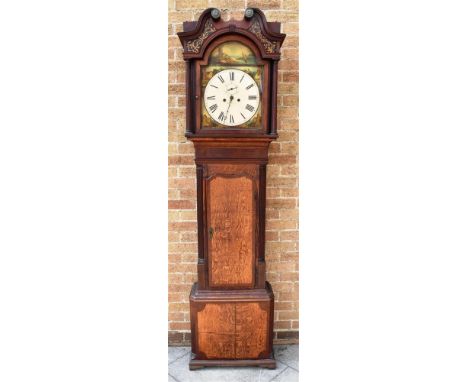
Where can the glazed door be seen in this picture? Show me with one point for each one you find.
(231, 209)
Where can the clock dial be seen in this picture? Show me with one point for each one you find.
(231, 97)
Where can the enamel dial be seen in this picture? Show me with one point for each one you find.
(231, 97)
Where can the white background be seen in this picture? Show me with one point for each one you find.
(383, 185)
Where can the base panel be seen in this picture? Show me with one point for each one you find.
(232, 328)
(199, 364)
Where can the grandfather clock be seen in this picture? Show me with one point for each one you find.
(231, 80)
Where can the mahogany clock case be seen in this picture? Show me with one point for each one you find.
(232, 304)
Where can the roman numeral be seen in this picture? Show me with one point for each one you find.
(231, 76)
(243, 116)
(231, 119)
(241, 78)
(248, 87)
(221, 116)
(252, 97)
(213, 108)
(221, 79)
(249, 107)
(212, 98)
(214, 86)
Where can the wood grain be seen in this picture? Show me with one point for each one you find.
(230, 227)
(251, 330)
(233, 330)
(216, 330)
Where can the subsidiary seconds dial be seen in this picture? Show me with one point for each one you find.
(231, 97)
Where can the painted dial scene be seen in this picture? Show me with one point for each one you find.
(231, 97)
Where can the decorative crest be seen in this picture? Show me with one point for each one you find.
(270, 46)
(193, 46)
(197, 35)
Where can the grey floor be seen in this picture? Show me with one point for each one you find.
(287, 368)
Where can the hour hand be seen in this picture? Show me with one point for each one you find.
(230, 100)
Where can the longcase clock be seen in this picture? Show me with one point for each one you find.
(231, 86)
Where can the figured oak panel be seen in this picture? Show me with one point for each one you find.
(216, 330)
(233, 330)
(251, 329)
(231, 231)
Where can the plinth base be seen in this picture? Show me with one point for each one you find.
(232, 327)
(269, 363)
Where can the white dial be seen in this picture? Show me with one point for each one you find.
(231, 97)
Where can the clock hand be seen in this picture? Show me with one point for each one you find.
(230, 100)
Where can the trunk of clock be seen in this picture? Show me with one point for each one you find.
(231, 305)
(231, 195)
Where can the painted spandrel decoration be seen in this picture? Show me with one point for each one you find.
(231, 55)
